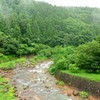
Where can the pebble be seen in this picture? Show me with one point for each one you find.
(75, 93)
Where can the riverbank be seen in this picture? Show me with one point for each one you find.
(31, 81)
(80, 84)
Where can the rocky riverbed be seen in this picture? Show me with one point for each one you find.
(36, 83)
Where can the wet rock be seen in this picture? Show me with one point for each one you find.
(14, 80)
(16, 94)
(25, 87)
(14, 83)
(75, 93)
(48, 90)
(15, 90)
(68, 94)
(19, 95)
(17, 77)
(35, 81)
(46, 86)
(98, 91)
(23, 98)
(15, 87)
(43, 81)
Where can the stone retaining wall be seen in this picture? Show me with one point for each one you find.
(80, 83)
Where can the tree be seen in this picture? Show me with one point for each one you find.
(88, 56)
(29, 31)
(17, 32)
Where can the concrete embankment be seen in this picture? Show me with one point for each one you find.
(82, 84)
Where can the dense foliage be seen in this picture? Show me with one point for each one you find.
(85, 58)
(88, 56)
(23, 23)
(31, 27)
(67, 35)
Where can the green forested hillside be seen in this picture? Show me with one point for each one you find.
(32, 32)
(23, 23)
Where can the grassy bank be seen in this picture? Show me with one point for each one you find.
(11, 64)
(89, 76)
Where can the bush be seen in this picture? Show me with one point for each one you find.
(61, 64)
(21, 60)
(3, 58)
(9, 95)
(38, 47)
(37, 58)
(52, 69)
(60, 82)
(46, 52)
(88, 56)
(8, 65)
(84, 95)
(63, 57)
(73, 68)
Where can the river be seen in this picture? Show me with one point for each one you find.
(36, 83)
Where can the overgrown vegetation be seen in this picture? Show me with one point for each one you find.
(84, 94)
(24, 23)
(37, 59)
(30, 35)
(67, 35)
(7, 65)
(6, 91)
(61, 83)
(82, 61)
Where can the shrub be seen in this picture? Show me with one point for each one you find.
(9, 95)
(73, 68)
(3, 58)
(32, 61)
(46, 52)
(88, 56)
(60, 82)
(38, 47)
(8, 65)
(84, 94)
(61, 64)
(37, 58)
(52, 69)
(21, 60)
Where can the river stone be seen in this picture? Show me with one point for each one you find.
(68, 94)
(14, 83)
(75, 93)
(16, 94)
(25, 87)
(46, 86)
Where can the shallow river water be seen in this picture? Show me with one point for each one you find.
(36, 84)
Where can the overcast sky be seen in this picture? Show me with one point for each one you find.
(89, 3)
